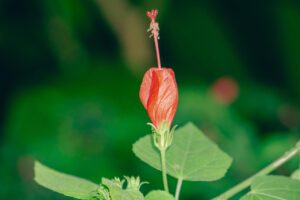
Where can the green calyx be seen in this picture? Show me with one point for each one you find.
(162, 135)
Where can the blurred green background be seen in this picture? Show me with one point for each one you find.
(70, 72)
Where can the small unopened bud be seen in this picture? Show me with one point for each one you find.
(118, 182)
(134, 183)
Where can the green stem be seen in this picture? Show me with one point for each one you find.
(246, 183)
(164, 170)
(178, 188)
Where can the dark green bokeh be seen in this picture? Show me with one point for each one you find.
(70, 75)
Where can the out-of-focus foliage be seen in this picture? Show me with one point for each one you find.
(69, 88)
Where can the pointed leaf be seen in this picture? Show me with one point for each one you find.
(274, 188)
(192, 155)
(63, 183)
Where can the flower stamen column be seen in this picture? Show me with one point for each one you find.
(154, 29)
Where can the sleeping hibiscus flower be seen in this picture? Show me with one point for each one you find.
(159, 94)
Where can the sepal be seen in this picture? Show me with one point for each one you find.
(162, 135)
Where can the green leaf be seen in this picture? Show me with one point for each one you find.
(159, 195)
(117, 193)
(296, 175)
(63, 183)
(274, 188)
(192, 156)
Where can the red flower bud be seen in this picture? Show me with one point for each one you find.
(159, 95)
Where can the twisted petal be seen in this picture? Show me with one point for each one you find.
(159, 95)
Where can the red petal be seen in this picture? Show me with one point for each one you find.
(160, 95)
(145, 87)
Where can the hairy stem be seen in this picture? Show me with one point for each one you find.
(246, 183)
(164, 170)
(178, 188)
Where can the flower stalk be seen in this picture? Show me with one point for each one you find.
(164, 170)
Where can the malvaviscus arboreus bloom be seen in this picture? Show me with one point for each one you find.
(159, 95)
(158, 92)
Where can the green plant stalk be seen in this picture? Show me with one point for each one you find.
(246, 183)
(164, 170)
(178, 188)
